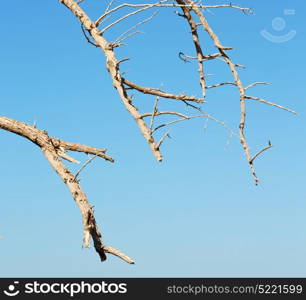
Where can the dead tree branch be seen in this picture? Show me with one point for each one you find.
(89, 160)
(221, 84)
(128, 32)
(192, 11)
(270, 103)
(153, 113)
(197, 45)
(164, 4)
(159, 93)
(256, 83)
(261, 151)
(49, 146)
(232, 66)
(112, 66)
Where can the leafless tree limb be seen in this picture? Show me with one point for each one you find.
(184, 118)
(164, 4)
(49, 146)
(124, 18)
(88, 161)
(256, 83)
(221, 84)
(127, 33)
(87, 38)
(166, 135)
(67, 146)
(261, 151)
(112, 66)
(158, 113)
(153, 113)
(109, 5)
(197, 45)
(160, 93)
(270, 103)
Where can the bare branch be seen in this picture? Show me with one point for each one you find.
(158, 113)
(84, 166)
(240, 66)
(196, 42)
(113, 251)
(256, 83)
(166, 135)
(237, 80)
(126, 34)
(112, 65)
(81, 148)
(119, 42)
(185, 57)
(49, 146)
(109, 5)
(87, 38)
(221, 84)
(61, 152)
(260, 152)
(270, 103)
(160, 93)
(124, 18)
(153, 113)
(198, 108)
(163, 4)
(212, 56)
(178, 120)
(144, 7)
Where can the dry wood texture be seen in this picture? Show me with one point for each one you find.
(54, 149)
(193, 12)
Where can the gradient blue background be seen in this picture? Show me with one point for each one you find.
(198, 213)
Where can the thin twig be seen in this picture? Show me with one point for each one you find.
(270, 103)
(158, 113)
(127, 36)
(153, 113)
(222, 49)
(176, 121)
(160, 93)
(109, 5)
(256, 83)
(49, 147)
(84, 166)
(124, 18)
(81, 148)
(87, 38)
(116, 252)
(221, 84)
(162, 4)
(197, 45)
(193, 106)
(166, 135)
(122, 36)
(259, 152)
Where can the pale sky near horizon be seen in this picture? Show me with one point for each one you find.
(196, 214)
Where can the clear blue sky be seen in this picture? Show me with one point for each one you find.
(198, 213)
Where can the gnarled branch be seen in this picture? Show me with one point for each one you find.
(49, 147)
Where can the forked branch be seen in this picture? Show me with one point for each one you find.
(49, 146)
(193, 12)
